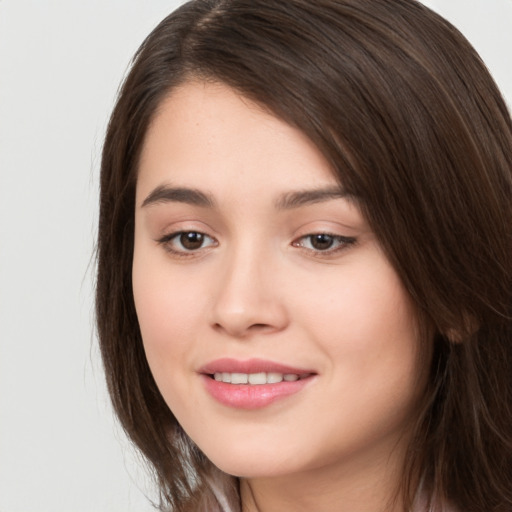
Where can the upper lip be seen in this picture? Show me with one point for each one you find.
(249, 366)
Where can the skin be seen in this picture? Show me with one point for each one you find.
(257, 286)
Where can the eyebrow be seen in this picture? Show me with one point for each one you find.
(288, 201)
(300, 198)
(167, 194)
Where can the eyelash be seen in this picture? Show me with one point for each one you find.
(342, 243)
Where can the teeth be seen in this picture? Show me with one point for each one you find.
(274, 378)
(239, 378)
(258, 378)
(255, 378)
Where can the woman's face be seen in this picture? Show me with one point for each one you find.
(276, 329)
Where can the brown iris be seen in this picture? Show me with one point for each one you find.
(321, 241)
(191, 240)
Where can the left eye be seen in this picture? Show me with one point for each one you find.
(323, 242)
(187, 241)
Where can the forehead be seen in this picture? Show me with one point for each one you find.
(208, 134)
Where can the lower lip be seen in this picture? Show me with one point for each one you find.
(246, 396)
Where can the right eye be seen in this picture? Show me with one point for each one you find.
(184, 242)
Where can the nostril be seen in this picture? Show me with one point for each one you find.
(243, 331)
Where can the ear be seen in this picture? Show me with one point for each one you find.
(468, 327)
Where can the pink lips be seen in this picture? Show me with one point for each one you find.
(246, 396)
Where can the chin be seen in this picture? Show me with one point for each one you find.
(249, 465)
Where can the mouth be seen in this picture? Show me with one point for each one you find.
(253, 384)
(257, 379)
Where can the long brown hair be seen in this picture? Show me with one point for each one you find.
(406, 113)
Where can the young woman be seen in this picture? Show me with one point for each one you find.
(304, 290)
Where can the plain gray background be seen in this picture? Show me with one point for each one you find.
(61, 62)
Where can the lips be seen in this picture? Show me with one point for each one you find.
(253, 383)
(250, 366)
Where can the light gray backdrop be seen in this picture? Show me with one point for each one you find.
(60, 65)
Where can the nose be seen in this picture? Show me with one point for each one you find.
(247, 300)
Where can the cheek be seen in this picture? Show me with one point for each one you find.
(168, 323)
(359, 310)
(166, 318)
(366, 326)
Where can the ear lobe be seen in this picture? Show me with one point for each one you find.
(469, 326)
(454, 336)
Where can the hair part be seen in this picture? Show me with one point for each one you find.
(407, 115)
